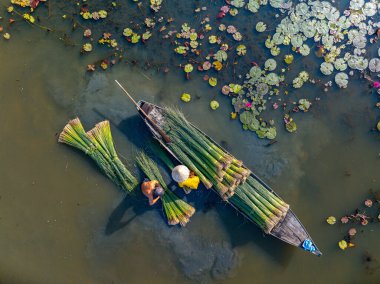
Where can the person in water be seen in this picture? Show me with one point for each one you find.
(152, 190)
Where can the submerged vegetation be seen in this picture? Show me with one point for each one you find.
(212, 44)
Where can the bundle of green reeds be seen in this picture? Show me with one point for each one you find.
(98, 144)
(176, 210)
(259, 204)
(208, 161)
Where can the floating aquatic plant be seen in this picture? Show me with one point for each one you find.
(331, 220)
(186, 97)
(241, 49)
(288, 58)
(341, 40)
(304, 105)
(327, 68)
(261, 27)
(374, 65)
(87, 47)
(270, 64)
(212, 81)
(341, 79)
(214, 105)
(290, 125)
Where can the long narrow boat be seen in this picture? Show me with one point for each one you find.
(289, 230)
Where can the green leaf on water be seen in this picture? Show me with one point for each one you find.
(271, 133)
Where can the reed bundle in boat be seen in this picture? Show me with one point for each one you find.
(218, 169)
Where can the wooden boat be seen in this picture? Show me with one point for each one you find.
(289, 230)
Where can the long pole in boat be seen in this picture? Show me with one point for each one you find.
(159, 130)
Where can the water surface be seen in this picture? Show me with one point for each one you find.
(63, 222)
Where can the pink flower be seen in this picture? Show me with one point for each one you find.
(248, 105)
(344, 219)
(226, 90)
(87, 33)
(224, 9)
(352, 232)
(368, 203)
(376, 84)
(206, 65)
(221, 15)
(231, 30)
(275, 106)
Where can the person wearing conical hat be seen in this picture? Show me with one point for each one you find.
(185, 178)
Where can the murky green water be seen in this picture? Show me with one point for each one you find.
(63, 222)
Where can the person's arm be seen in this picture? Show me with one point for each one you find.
(153, 201)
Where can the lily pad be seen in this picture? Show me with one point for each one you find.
(261, 27)
(304, 50)
(374, 65)
(214, 105)
(331, 220)
(304, 105)
(238, 3)
(212, 81)
(146, 35)
(220, 55)
(297, 83)
(236, 88)
(290, 125)
(254, 125)
(135, 38)
(326, 68)
(247, 117)
(186, 97)
(341, 79)
(343, 244)
(87, 47)
(271, 133)
(188, 68)
(241, 49)
(288, 58)
(270, 64)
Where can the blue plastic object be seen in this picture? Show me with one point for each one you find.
(308, 245)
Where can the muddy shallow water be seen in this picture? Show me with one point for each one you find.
(63, 222)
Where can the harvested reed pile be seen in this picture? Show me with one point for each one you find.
(259, 205)
(208, 161)
(176, 210)
(98, 144)
(218, 169)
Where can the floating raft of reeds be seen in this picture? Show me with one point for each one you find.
(232, 181)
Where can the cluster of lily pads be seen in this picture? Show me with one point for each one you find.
(213, 47)
(216, 46)
(359, 216)
(341, 39)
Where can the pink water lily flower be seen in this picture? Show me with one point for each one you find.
(275, 106)
(226, 90)
(248, 105)
(225, 9)
(231, 29)
(376, 84)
